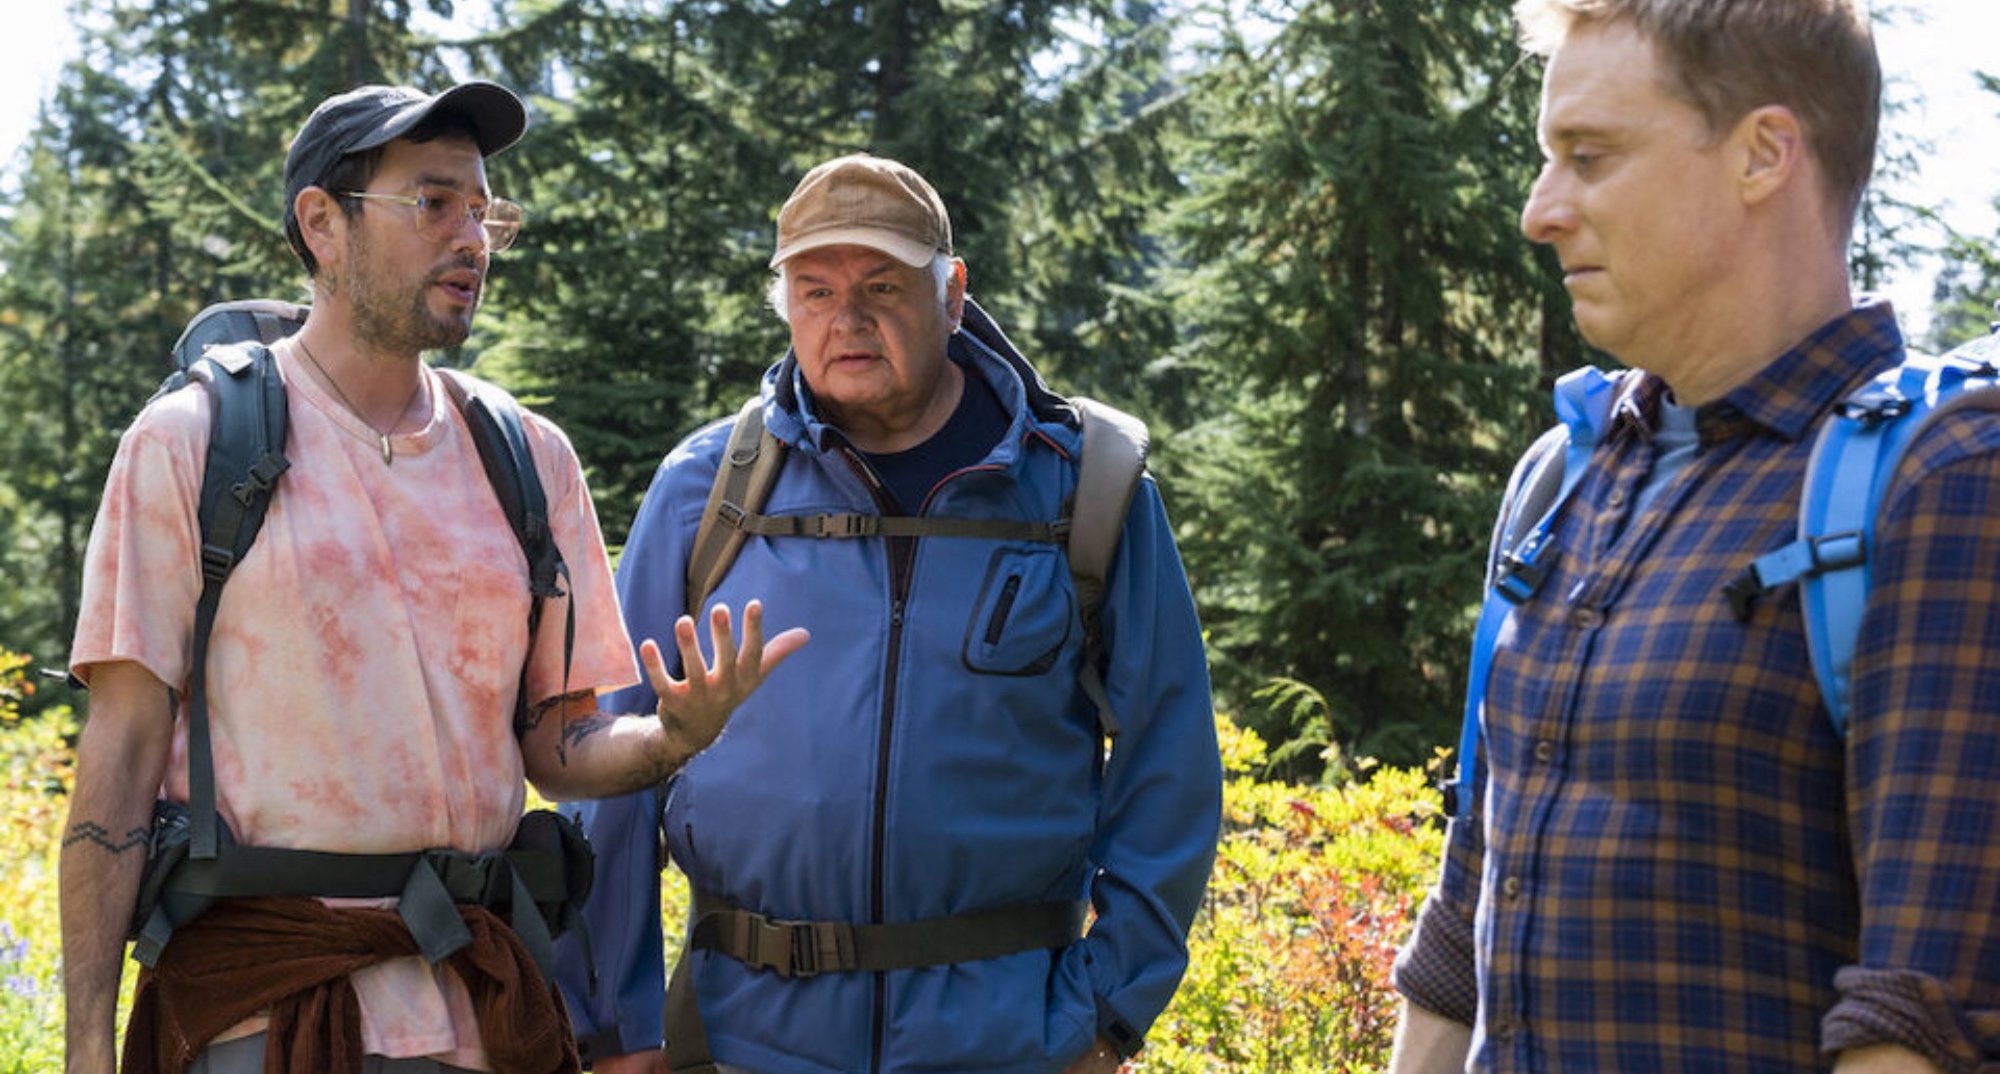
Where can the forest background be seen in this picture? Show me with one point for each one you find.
(1285, 235)
(1283, 232)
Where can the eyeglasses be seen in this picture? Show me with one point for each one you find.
(441, 211)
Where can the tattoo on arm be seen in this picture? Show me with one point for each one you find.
(533, 719)
(539, 712)
(576, 731)
(89, 831)
(571, 731)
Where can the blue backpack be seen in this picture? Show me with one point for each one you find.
(1853, 457)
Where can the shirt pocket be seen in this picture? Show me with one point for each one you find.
(1025, 613)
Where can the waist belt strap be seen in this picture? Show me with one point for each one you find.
(808, 948)
(430, 885)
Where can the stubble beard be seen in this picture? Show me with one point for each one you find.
(388, 319)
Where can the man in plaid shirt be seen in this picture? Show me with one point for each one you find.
(1674, 863)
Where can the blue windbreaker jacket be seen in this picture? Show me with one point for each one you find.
(920, 757)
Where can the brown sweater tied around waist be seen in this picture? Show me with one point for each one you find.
(293, 958)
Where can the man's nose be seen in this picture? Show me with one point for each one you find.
(470, 234)
(1547, 213)
(851, 311)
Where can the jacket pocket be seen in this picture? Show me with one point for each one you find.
(1024, 615)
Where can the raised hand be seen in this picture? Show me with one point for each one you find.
(693, 710)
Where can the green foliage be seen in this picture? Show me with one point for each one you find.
(666, 137)
(1966, 302)
(1313, 891)
(1967, 299)
(35, 762)
(1369, 322)
(632, 311)
(1889, 230)
(151, 188)
(1288, 242)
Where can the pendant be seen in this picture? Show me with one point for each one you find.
(388, 453)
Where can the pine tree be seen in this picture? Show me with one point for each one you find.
(1374, 329)
(668, 135)
(153, 187)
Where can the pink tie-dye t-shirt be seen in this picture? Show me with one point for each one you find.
(366, 652)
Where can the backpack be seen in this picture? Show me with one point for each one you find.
(191, 858)
(1111, 461)
(1853, 458)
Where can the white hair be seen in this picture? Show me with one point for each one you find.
(942, 268)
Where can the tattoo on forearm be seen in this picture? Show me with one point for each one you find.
(89, 831)
(576, 731)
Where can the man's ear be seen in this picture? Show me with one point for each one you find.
(954, 295)
(1771, 143)
(322, 224)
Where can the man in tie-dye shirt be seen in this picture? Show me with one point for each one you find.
(367, 652)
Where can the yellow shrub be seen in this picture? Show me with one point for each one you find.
(33, 797)
(1313, 891)
(1289, 959)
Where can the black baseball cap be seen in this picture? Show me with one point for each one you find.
(369, 116)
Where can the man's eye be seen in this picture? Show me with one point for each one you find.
(441, 205)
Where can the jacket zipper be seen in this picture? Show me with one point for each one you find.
(901, 553)
(878, 904)
(1001, 607)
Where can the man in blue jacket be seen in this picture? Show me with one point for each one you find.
(896, 844)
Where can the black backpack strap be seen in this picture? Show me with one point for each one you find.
(495, 422)
(259, 320)
(744, 477)
(538, 883)
(245, 457)
(809, 948)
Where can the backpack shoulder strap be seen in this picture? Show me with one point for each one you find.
(1531, 490)
(502, 440)
(1113, 459)
(494, 419)
(1853, 460)
(263, 320)
(246, 442)
(1520, 556)
(743, 479)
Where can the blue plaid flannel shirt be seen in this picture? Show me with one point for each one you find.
(1679, 866)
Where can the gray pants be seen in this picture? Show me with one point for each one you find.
(245, 1055)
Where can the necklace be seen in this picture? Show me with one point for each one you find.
(381, 436)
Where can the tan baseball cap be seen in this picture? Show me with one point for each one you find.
(864, 200)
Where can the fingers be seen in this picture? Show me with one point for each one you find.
(751, 656)
(782, 646)
(654, 663)
(721, 641)
(736, 669)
